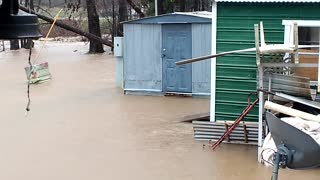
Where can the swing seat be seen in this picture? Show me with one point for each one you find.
(305, 150)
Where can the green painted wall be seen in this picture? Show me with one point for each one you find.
(236, 74)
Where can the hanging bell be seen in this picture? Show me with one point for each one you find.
(15, 24)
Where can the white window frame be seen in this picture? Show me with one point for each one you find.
(288, 36)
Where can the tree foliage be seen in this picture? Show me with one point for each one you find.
(110, 13)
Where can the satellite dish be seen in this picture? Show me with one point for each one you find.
(295, 149)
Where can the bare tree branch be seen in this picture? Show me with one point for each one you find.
(70, 28)
(136, 8)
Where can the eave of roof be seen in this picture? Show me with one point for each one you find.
(204, 15)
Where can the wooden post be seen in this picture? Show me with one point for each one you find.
(227, 127)
(296, 43)
(245, 133)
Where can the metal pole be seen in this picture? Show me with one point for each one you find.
(275, 170)
(261, 100)
(156, 7)
(318, 90)
(213, 63)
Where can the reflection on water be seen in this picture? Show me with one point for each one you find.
(82, 127)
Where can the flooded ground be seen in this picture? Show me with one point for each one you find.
(82, 127)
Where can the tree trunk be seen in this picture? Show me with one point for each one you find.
(94, 26)
(39, 5)
(195, 5)
(70, 28)
(26, 43)
(3, 46)
(182, 5)
(14, 44)
(123, 14)
(31, 4)
(114, 24)
(23, 43)
(160, 7)
(136, 8)
(205, 5)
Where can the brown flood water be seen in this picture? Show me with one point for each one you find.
(82, 127)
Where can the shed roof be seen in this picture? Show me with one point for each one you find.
(267, 1)
(175, 18)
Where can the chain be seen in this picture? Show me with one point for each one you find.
(29, 81)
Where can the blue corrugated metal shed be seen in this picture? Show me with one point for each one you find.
(175, 18)
(152, 46)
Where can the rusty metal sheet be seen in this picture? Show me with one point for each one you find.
(293, 85)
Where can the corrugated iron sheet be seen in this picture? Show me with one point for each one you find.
(294, 85)
(142, 57)
(244, 133)
(272, 1)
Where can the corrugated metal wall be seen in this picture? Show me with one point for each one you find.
(236, 74)
(143, 62)
(201, 45)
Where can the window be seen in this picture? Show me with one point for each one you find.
(309, 33)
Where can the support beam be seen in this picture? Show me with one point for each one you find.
(260, 84)
(213, 63)
(291, 112)
(156, 7)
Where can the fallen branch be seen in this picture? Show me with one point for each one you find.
(70, 28)
(136, 8)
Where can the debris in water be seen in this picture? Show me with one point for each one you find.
(39, 74)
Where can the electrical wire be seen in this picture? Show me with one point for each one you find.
(266, 160)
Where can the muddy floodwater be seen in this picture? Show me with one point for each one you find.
(82, 127)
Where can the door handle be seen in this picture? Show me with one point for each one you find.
(163, 52)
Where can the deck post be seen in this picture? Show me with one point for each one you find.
(260, 84)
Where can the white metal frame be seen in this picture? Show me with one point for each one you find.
(213, 62)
